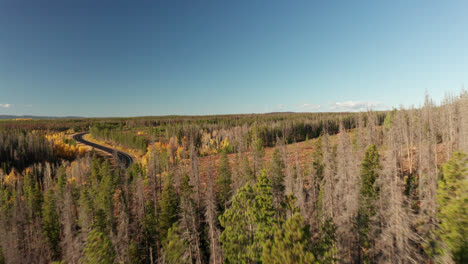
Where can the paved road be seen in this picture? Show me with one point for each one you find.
(124, 158)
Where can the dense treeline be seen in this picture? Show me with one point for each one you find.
(117, 135)
(19, 149)
(292, 127)
(395, 193)
(289, 127)
(48, 125)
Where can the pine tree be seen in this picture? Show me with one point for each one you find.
(368, 195)
(238, 222)
(266, 217)
(2, 257)
(277, 180)
(223, 182)
(290, 243)
(174, 247)
(149, 232)
(325, 245)
(51, 224)
(104, 199)
(98, 249)
(452, 198)
(32, 194)
(249, 222)
(133, 253)
(169, 207)
(61, 181)
(86, 209)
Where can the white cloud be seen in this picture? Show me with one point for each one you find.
(309, 107)
(5, 105)
(356, 106)
(302, 107)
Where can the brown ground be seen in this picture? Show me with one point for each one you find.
(303, 150)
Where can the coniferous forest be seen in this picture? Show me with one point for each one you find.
(368, 187)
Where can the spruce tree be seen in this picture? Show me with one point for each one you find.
(149, 236)
(291, 243)
(61, 181)
(98, 249)
(2, 257)
(223, 183)
(133, 253)
(32, 195)
(276, 177)
(264, 210)
(238, 222)
(368, 195)
(249, 222)
(325, 244)
(51, 224)
(104, 198)
(169, 207)
(452, 198)
(174, 247)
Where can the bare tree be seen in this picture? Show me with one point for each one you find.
(427, 172)
(211, 215)
(404, 129)
(395, 239)
(257, 155)
(372, 133)
(299, 189)
(448, 123)
(464, 121)
(328, 182)
(121, 238)
(71, 243)
(195, 176)
(347, 198)
(190, 218)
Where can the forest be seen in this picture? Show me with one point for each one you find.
(361, 187)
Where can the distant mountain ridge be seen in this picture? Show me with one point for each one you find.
(2, 117)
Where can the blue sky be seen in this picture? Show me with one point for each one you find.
(131, 58)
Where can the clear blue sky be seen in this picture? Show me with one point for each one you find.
(129, 58)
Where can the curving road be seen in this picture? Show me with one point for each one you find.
(124, 158)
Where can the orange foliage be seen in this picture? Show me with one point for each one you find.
(174, 151)
(11, 178)
(213, 145)
(63, 149)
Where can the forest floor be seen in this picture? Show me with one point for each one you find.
(302, 150)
